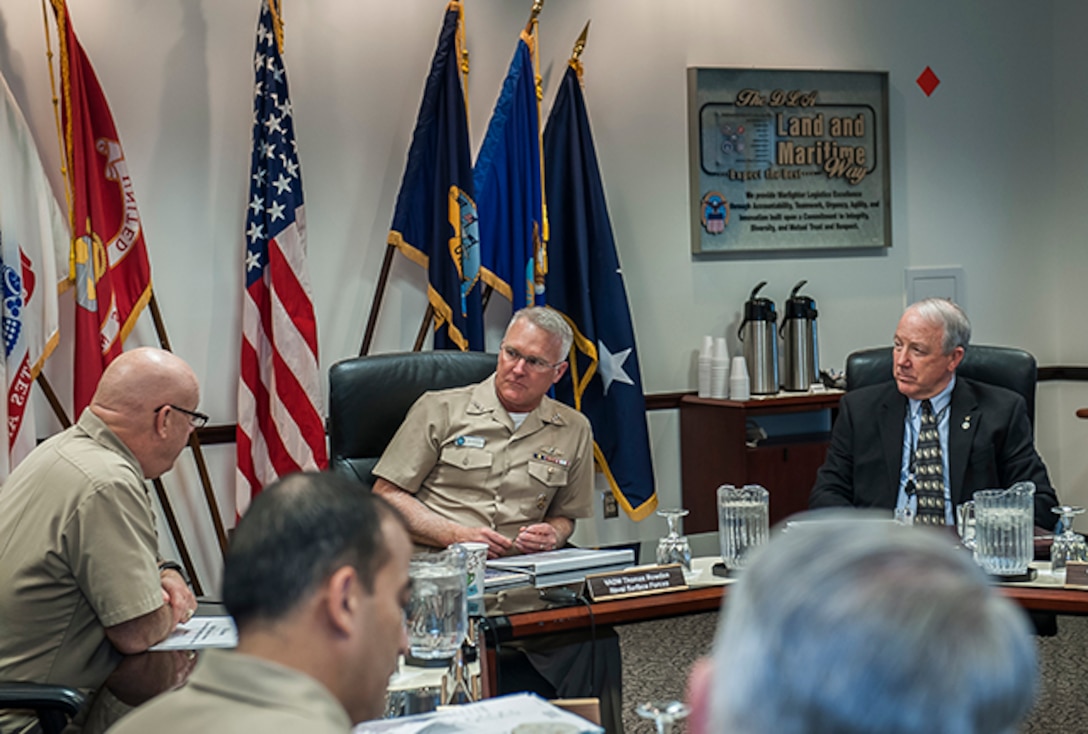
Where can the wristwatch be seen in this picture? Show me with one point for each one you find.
(173, 566)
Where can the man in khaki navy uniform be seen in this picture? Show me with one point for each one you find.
(80, 582)
(501, 463)
(317, 580)
(498, 462)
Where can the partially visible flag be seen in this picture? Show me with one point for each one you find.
(108, 262)
(281, 428)
(585, 283)
(434, 223)
(33, 237)
(509, 185)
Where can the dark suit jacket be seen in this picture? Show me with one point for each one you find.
(995, 449)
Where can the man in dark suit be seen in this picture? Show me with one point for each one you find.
(982, 431)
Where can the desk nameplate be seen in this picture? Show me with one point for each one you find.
(1076, 575)
(635, 582)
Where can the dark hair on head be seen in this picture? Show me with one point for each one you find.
(299, 530)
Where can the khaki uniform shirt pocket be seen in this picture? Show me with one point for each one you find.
(547, 474)
(466, 457)
(547, 480)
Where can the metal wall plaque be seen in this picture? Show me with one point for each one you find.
(788, 160)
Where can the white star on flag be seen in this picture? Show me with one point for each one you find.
(611, 366)
(275, 211)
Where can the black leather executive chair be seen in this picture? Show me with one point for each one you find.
(369, 397)
(53, 704)
(1006, 367)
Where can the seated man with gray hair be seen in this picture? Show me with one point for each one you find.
(501, 463)
(841, 625)
(927, 441)
(498, 462)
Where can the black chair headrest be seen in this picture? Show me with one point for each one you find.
(369, 397)
(1006, 367)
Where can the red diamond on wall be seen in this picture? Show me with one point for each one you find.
(928, 81)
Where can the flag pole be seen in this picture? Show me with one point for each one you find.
(54, 401)
(175, 530)
(60, 133)
(579, 46)
(43, 381)
(376, 304)
(194, 441)
(428, 317)
(538, 5)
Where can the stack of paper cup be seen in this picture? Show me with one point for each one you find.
(739, 387)
(705, 356)
(719, 369)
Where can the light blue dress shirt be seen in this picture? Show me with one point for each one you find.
(912, 424)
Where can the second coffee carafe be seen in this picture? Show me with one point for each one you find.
(800, 351)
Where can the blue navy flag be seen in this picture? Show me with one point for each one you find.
(434, 223)
(509, 186)
(585, 284)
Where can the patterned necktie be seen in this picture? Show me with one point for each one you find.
(929, 470)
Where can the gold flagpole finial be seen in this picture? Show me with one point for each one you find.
(580, 44)
(538, 5)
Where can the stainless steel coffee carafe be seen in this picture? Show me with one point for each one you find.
(800, 350)
(757, 332)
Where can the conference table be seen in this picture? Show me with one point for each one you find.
(521, 613)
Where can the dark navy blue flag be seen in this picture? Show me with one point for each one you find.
(434, 223)
(586, 285)
(509, 189)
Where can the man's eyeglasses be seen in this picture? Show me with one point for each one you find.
(196, 418)
(536, 364)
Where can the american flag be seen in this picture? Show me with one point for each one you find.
(280, 423)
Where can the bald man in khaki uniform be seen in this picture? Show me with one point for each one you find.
(498, 462)
(80, 583)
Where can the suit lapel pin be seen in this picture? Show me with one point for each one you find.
(966, 422)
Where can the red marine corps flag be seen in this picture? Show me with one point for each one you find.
(108, 262)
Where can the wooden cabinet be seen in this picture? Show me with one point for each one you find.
(714, 451)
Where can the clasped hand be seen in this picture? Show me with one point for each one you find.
(536, 538)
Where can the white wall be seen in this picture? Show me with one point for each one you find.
(1062, 287)
(987, 174)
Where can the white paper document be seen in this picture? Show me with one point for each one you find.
(504, 715)
(201, 632)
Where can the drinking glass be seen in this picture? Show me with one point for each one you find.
(1068, 546)
(674, 547)
(664, 713)
(904, 516)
